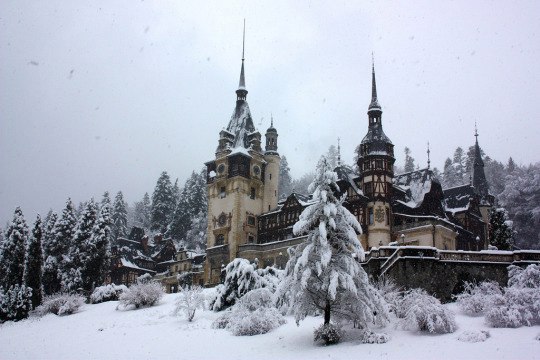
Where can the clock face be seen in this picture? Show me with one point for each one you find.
(256, 170)
(221, 168)
(222, 219)
(379, 214)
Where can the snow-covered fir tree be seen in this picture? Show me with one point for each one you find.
(409, 161)
(48, 276)
(98, 249)
(13, 251)
(501, 229)
(176, 192)
(301, 185)
(57, 247)
(332, 156)
(119, 217)
(285, 180)
(322, 274)
(74, 263)
(163, 203)
(105, 199)
(33, 265)
(142, 212)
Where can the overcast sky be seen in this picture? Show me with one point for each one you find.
(105, 95)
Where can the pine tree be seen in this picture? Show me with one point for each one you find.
(511, 166)
(105, 200)
(142, 211)
(33, 264)
(321, 274)
(162, 203)
(301, 185)
(119, 217)
(176, 192)
(409, 161)
(57, 247)
(459, 167)
(50, 274)
(13, 251)
(74, 264)
(285, 180)
(501, 229)
(332, 156)
(98, 249)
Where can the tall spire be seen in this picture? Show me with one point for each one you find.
(428, 159)
(479, 181)
(374, 105)
(338, 152)
(242, 92)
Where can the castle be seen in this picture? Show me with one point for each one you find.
(245, 218)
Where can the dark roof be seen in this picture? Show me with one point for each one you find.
(241, 124)
(458, 197)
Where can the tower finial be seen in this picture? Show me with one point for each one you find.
(338, 152)
(476, 132)
(271, 120)
(374, 105)
(242, 92)
(428, 159)
(243, 39)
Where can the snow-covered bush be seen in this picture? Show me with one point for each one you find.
(369, 337)
(253, 314)
(327, 334)
(60, 304)
(524, 278)
(517, 307)
(189, 300)
(109, 292)
(141, 294)
(241, 276)
(476, 298)
(15, 303)
(144, 278)
(420, 311)
(390, 291)
(474, 336)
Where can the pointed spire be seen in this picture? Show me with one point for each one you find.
(374, 105)
(479, 181)
(242, 92)
(271, 120)
(338, 152)
(428, 159)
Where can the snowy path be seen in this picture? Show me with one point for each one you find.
(101, 332)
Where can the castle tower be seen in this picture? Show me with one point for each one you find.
(481, 187)
(271, 176)
(376, 166)
(240, 183)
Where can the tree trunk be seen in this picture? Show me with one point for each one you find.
(327, 313)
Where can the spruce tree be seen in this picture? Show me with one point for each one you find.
(33, 266)
(119, 217)
(409, 161)
(322, 275)
(285, 180)
(501, 229)
(75, 263)
(13, 251)
(105, 199)
(142, 211)
(332, 156)
(99, 251)
(58, 247)
(50, 274)
(162, 203)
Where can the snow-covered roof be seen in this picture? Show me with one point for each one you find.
(241, 125)
(129, 264)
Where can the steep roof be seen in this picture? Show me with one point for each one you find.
(458, 197)
(241, 124)
(416, 184)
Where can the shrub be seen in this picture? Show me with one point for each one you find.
(517, 307)
(420, 311)
(475, 299)
(327, 334)
(524, 278)
(189, 300)
(390, 291)
(141, 294)
(473, 336)
(370, 337)
(15, 303)
(109, 292)
(60, 304)
(253, 314)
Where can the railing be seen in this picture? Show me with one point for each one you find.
(271, 245)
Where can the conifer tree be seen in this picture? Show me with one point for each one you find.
(162, 203)
(105, 200)
(119, 216)
(98, 247)
(57, 247)
(33, 266)
(501, 229)
(142, 211)
(74, 264)
(409, 161)
(285, 180)
(13, 251)
(332, 156)
(50, 274)
(322, 274)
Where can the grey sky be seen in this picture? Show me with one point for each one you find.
(104, 95)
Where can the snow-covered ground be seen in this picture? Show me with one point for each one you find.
(102, 332)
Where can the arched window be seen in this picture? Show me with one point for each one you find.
(220, 239)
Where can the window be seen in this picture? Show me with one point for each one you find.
(222, 192)
(251, 220)
(251, 239)
(220, 239)
(370, 216)
(270, 175)
(252, 194)
(387, 216)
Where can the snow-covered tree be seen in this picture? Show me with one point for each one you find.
(321, 274)
(285, 180)
(50, 273)
(163, 203)
(332, 156)
(477, 298)
(98, 248)
(501, 229)
(196, 238)
(15, 302)
(301, 185)
(74, 263)
(142, 212)
(141, 294)
(13, 251)
(409, 161)
(33, 265)
(119, 217)
(190, 298)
